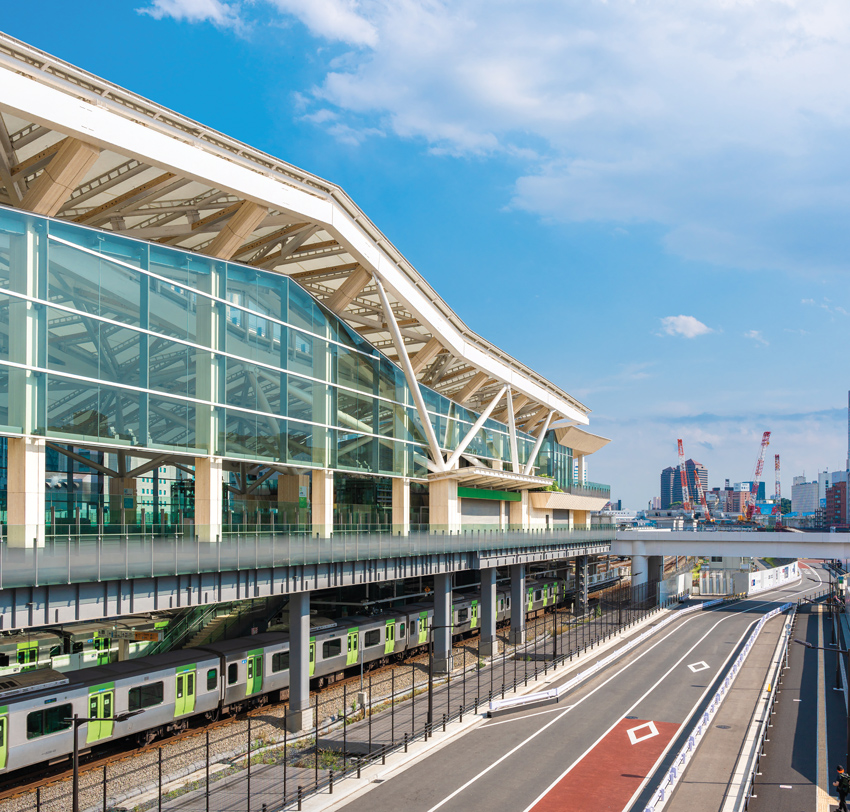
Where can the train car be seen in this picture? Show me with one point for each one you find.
(170, 688)
(25, 651)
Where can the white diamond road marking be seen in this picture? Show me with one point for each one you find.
(700, 666)
(650, 726)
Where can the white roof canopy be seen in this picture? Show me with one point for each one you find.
(82, 149)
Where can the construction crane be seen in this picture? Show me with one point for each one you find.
(686, 497)
(697, 484)
(777, 491)
(751, 501)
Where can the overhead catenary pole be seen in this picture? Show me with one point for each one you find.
(410, 375)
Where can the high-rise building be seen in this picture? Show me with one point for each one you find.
(669, 478)
(835, 512)
(804, 496)
(671, 483)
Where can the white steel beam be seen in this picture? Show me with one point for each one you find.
(436, 453)
(536, 450)
(476, 427)
(512, 433)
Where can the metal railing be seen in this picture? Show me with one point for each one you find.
(103, 558)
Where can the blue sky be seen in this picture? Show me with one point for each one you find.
(646, 202)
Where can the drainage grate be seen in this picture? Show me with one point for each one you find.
(631, 717)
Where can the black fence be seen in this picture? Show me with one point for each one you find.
(252, 763)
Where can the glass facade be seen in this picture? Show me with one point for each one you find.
(556, 461)
(110, 340)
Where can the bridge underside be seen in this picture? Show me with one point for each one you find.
(733, 543)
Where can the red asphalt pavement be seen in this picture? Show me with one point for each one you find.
(606, 777)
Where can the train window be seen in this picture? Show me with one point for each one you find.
(55, 651)
(250, 668)
(332, 648)
(212, 679)
(50, 720)
(77, 648)
(401, 630)
(145, 696)
(538, 595)
(462, 615)
(372, 638)
(412, 627)
(280, 661)
(4, 660)
(27, 655)
(232, 673)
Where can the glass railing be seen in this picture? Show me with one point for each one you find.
(103, 558)
(590, 489)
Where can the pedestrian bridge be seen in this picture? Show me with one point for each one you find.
(731, 543)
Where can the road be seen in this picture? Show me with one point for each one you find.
(598, 751)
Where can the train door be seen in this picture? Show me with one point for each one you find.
(423, 628)
(312, 655)
(255, 671)
(103, 647)
(28, 655)
(473, 615)
(4, 740)
(530, 598)
(389, 641)
(353, 643)
(184, 693)
(101, 713)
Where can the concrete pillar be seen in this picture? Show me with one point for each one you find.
(401, 506)
(582, 471)
(209, 487)
(442, 632)
(443, 506)
(519, 514)
(300, 716)
(25, 492)
(517, 602)
(292, 497)
(322, 502)
(489, 641)
(582, 572)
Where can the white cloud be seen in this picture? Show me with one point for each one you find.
(685, 326)
(222, 14)
(756, 336)
(722, 122)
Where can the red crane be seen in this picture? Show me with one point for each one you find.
(697, 484)
(686, 498)
(751, 501)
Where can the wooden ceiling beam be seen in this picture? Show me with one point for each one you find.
(240, 226)
(60, 177)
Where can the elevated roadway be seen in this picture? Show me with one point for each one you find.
(732, 543)
(602, 747)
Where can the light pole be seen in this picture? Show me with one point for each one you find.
(430, 672)
(806, 644)
(76, 721)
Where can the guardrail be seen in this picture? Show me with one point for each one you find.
(698, 732)
(555, 694)
(65, 561)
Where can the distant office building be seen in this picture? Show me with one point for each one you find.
(827, 479)
(835, 512)
(804, 496)
(671, 483)
(747, 487)
(655, 503)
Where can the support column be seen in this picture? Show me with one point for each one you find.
(209, 486)
(581, 585)
(322, 496)
(401, 506)
(292, 498)
(640, 576)
(300, 714)
(25, 492)
(517, 602)
(518, 518)
(122, 500)
(489, 641)
(443, 506)
(442, 632)
(581, 477)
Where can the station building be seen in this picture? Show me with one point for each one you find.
(199, 341)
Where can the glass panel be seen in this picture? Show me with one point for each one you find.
(184, 269)
(356, 452)
(299, 398)
(355, 411)
(172, 423)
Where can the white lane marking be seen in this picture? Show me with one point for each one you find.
(813, 571)
(700, 666)
(651, 732)
(599, 687)
(528, 716)
(785, 786)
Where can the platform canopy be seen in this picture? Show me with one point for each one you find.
(82, 149)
